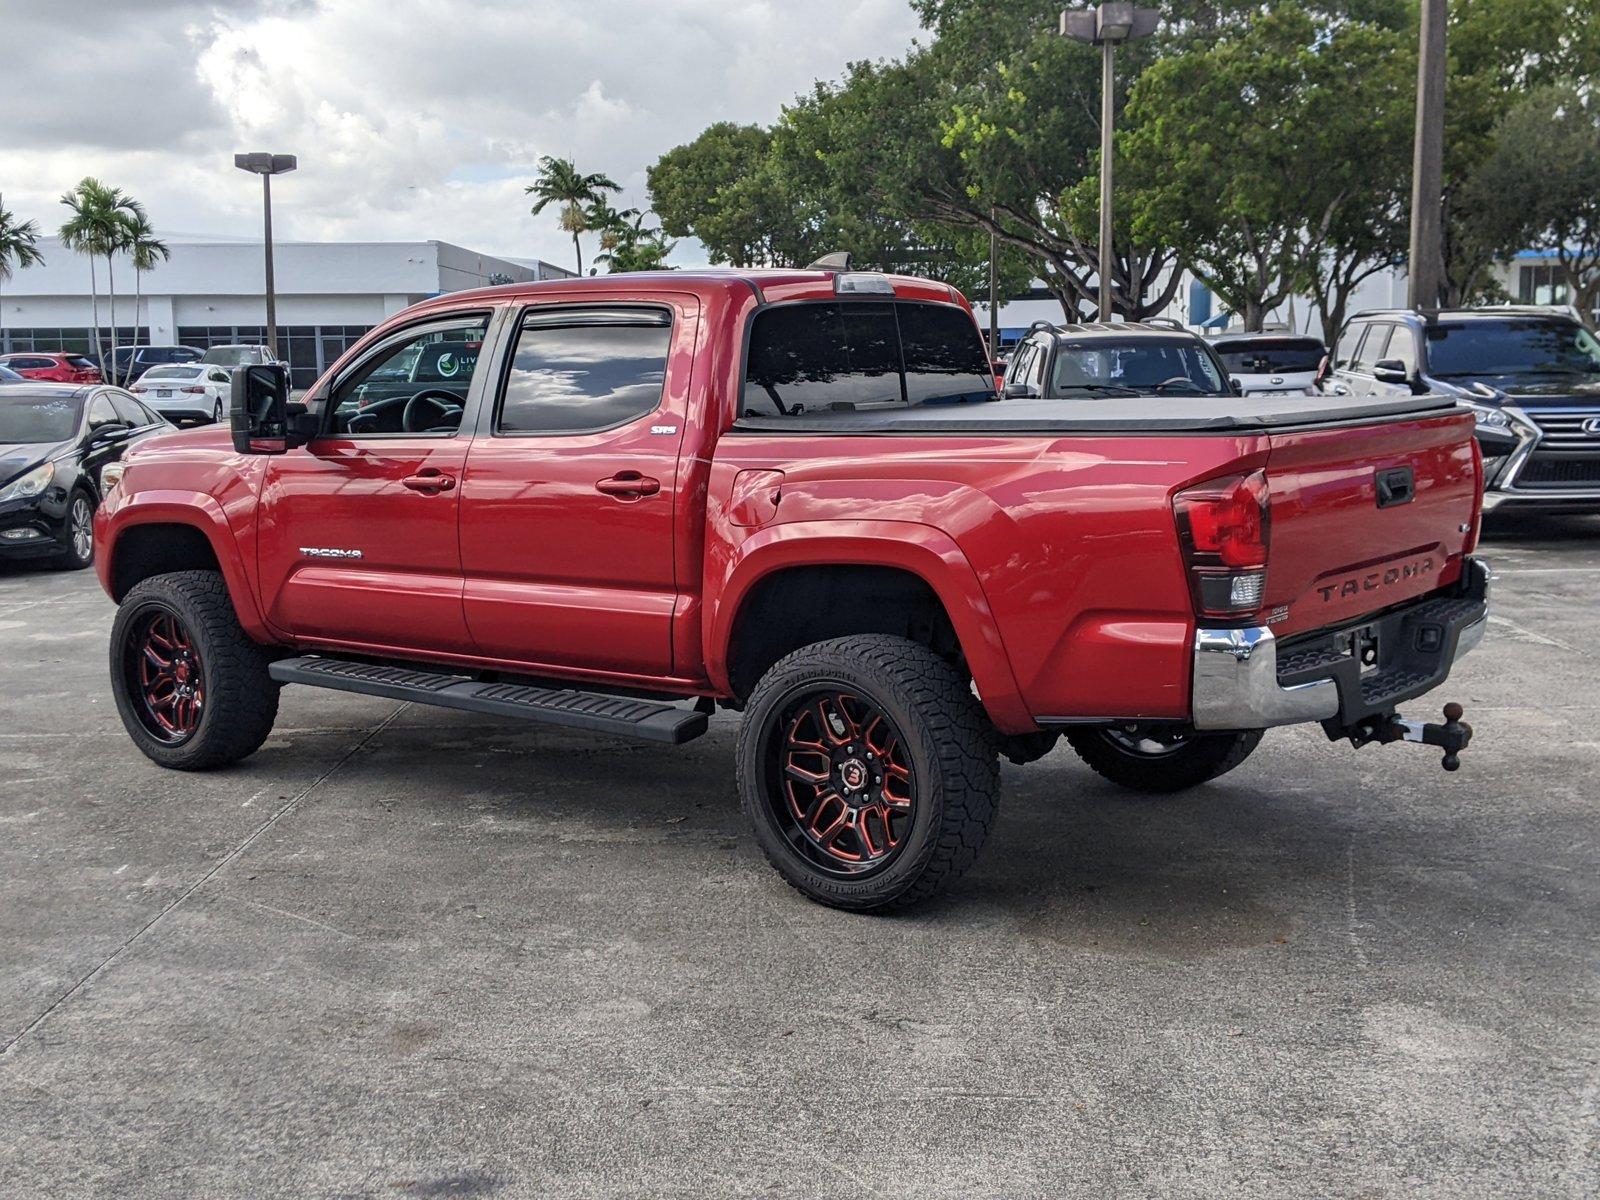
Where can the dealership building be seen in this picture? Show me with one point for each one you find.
(211, 293)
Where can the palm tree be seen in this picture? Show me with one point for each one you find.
(99, 225)
(90, 231)
(18, 250)
(125, 213)
(146, 250)
(559, 182)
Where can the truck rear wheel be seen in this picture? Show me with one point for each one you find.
(191, 687)
(868, 771)
(1160, 759)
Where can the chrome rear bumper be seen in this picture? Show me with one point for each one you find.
(1238, 683)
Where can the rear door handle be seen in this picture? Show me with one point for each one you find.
(428, 481)
(629, 483)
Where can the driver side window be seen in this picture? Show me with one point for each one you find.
(415, 385)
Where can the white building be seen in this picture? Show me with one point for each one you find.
(211, 293)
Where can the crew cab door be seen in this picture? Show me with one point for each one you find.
(571, 485)
(358, 543)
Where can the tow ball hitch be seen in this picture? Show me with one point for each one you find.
(1452, 736)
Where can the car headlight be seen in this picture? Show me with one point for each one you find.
(111, 475)
(31, 484)
(1489, 418)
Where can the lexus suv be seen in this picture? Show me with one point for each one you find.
(1531, 376)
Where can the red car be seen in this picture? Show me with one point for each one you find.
(616, 504)
(51, 366)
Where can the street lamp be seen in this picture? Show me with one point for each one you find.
(1105, 26)
(266, 166)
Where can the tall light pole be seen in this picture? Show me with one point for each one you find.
(266, 166)
(1106, 26)
(1425, 271)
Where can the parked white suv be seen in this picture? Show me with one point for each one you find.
(231, 357)
(1271, 363)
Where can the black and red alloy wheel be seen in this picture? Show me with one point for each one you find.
(165, 677)
(843, 787)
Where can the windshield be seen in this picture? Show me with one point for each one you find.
(232, 356)
(1512, 346)
(171, 373)
(1135, 367)
(1270, 356)
(25, 419)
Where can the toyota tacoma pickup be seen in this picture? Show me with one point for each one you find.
(614, 504)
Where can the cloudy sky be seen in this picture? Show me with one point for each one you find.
(411, 118)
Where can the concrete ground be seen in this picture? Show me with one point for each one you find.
(403, 952)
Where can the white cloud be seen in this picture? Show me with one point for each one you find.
(411, 118)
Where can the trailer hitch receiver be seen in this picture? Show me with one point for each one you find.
(1451, 737)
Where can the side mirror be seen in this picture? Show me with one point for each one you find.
(1323, 369)
(110, 431)
(1235, 386)
(1391, 370)
(1020, 391)
(259, 410)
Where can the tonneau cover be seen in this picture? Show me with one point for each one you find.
(1108, 414)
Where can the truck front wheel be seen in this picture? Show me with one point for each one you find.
(1160, 759)
(192, 688)
(868, 771)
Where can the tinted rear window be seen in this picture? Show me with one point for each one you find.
(822, 356)
(155, 373)
(1269, 357)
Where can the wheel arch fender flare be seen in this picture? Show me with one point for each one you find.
(929, 554)
(195, 510)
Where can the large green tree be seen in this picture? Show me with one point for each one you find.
(559, 182)
(1258, 157)
(1541, 183)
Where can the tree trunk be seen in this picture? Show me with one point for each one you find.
(94, 305)
(1254, 316)
(111, 304)
(138, 289)
(577, 249)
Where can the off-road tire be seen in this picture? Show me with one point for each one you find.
(951, 750)
(1203, 757)
(241, 698)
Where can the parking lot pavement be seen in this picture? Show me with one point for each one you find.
(406, 952)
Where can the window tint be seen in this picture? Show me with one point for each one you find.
(818, 356)
(944, 357)
(1348, 343)
(417, 384)
(1512, 346)
(101, 412)
(576, 371)
(79, 362)
(157, 373)
(847, 355)
(1375, 347)
(129, 411)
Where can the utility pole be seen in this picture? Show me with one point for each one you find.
(266, 166)
(1105, 26)
(1425, 272)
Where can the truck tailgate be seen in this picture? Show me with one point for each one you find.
(1366, 516)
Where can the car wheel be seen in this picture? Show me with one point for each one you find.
(868, 771)
(1160, 758)
(193, 690)
(79, 550)
(216, 413)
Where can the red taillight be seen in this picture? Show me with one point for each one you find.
(138, 389)
(196, 391)
(1223, 526)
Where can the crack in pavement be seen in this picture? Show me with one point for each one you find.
(227, 859)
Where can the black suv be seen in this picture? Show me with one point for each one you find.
(1531, 375)
(1096, 359)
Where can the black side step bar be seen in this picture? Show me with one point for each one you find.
(646, 719)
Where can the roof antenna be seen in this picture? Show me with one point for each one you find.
(839, 260)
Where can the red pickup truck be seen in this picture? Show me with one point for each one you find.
(614, 504)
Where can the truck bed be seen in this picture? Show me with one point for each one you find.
(1109, 414)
